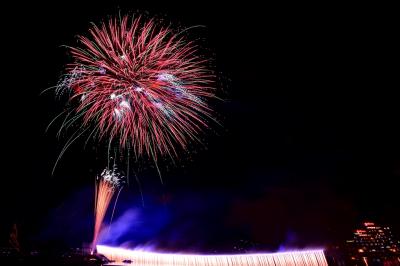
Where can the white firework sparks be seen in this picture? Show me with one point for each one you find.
(112, 176)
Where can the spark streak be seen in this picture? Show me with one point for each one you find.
(108, 182)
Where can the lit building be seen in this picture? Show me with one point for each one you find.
(373, 244)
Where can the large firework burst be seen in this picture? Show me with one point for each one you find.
(141, 84)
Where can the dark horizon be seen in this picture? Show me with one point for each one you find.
(308, 147)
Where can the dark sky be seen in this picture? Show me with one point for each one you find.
(309, 145)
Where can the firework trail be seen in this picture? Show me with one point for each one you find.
(139, 257)
(140, 84)
(107, 184)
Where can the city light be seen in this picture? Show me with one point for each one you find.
(373, 243)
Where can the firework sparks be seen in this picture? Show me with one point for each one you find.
(302, 258)
(107, 183)
(140, 84)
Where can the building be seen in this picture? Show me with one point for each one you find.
(373, 245)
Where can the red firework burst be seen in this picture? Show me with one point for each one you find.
(141, 84)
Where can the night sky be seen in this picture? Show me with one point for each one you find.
(308, 147)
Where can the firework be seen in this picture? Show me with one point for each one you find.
(302, 258)
(107, 183)
(141, 84)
